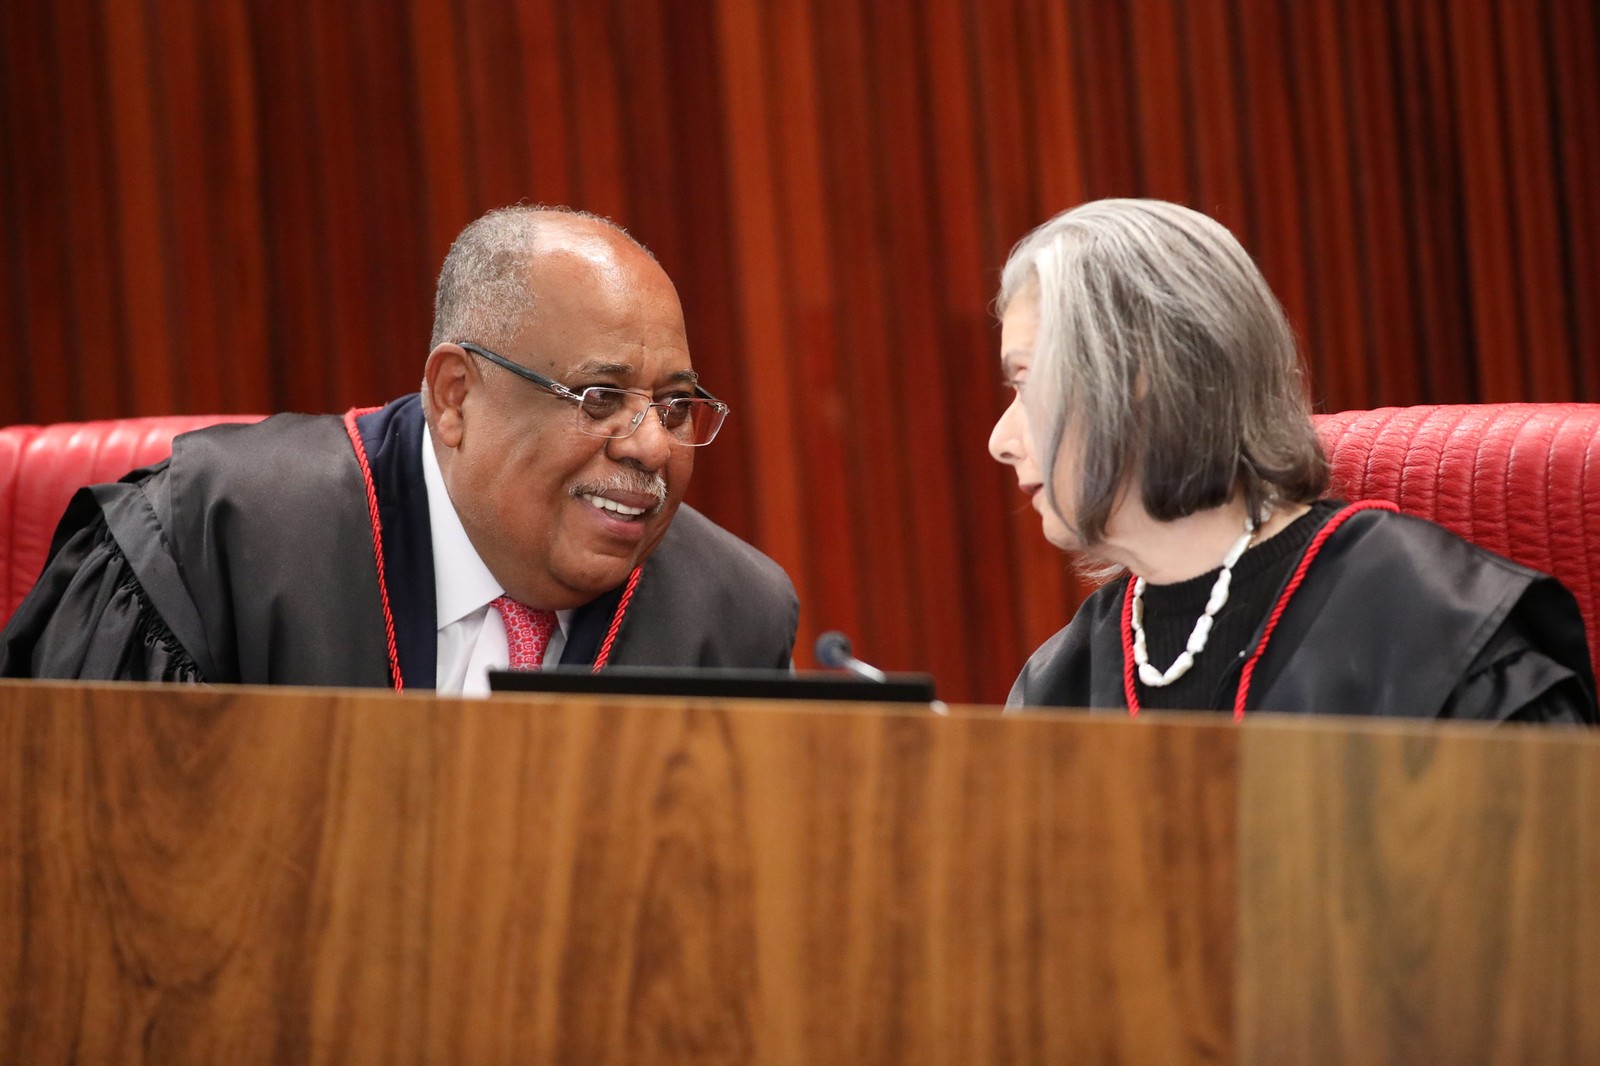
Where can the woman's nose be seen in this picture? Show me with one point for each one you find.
(1005, 440)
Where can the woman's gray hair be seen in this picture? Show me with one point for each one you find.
(484, 294)
(1164, 354)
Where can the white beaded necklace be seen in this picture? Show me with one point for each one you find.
(1202, 627)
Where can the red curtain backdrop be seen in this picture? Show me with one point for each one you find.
(240, 205)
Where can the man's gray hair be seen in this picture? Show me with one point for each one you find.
(484, 293)
(1164, 354)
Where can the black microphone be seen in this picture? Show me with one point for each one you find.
(833, 650)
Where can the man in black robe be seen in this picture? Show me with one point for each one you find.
(544, 460)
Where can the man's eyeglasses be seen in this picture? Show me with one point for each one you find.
(602, 411)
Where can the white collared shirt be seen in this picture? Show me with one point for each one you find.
(472, 637)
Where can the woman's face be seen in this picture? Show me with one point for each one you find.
(1012, 441)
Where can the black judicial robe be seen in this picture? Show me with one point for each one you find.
(1395, 616)
(248, 557)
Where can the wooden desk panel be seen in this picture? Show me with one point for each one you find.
(277, 876)
(280, 876)
(1419, 895)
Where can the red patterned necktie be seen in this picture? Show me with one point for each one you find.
(527, 631)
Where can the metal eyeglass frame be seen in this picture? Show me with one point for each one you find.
(555, 387)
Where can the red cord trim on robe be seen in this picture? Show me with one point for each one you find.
(1243, 691)
(1317, 541)
(350, 417)
(1129, 691)
(616, 620)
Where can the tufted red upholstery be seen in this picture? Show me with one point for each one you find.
(1521, 479)
(42, 466)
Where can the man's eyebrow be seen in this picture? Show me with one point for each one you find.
(595, 368)
(598, 369)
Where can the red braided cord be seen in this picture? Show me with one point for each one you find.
(1243, 691)
(350, 417)
(616, 620)
(1317, 541)
(1128, 689)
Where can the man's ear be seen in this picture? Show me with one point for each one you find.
(449, 376)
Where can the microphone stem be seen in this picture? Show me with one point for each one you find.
(871, 673)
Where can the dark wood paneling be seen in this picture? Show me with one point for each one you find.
(143, 198)
(36, 270)
(1345, 903)
(773, 427)
(1384, 272)
(1572, 33)
(811, 321)
(1476, 75)
(1033, 579)
(260, 877)
(1434, 241)
(1335, 312)
(879, 471)
(242, 206)
(255, 876)
(89, 285)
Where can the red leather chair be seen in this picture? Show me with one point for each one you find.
(42, 466)
(1521, 479)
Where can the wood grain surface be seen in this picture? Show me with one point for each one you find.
(1413, 896)
(291, 876)
(312, 876)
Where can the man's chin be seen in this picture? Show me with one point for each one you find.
(598, 574)
(603, 563)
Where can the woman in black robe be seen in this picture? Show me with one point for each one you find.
(1161, 429)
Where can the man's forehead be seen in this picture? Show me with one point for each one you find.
(576, 254)
(602, 309)
(597, 274)
(582, 247)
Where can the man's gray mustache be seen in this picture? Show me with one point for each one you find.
(653, 485)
